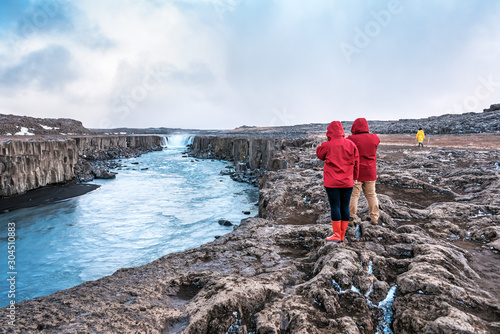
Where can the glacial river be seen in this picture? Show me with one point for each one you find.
(143, 214)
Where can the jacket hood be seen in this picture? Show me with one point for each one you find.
(359, 125)
(335, 130)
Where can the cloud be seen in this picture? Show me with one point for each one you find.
(231, 62)
(46, 16)
(48, 69)
(49, 20)
(10, 11)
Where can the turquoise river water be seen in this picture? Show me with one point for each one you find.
(134, 219)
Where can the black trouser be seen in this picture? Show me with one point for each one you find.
(339, 202)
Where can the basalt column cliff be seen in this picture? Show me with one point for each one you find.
(27, 164)
(252, 156)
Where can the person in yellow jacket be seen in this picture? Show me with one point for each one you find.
(420, 137)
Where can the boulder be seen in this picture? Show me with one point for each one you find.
(224, 222)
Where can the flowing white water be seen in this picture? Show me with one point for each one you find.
(358, 232)
(163, 141)
(384, 307)
(134, 219)
(179, 140)
(384, 326)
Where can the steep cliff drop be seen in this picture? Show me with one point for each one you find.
(29, 164)
(32, 163)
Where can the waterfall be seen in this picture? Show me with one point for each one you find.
(179, 140)
(163, 141)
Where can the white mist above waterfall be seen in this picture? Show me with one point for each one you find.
(159, 203)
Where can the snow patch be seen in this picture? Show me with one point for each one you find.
(24, 132)
(48, 127)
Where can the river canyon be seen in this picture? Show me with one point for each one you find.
(431, 265)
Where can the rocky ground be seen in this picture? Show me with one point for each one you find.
(431, 266)
(487, 121)
(438, 243)
(24, 125)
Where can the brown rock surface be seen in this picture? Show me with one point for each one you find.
(11, 124)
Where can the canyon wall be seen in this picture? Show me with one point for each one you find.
(27, 164)
(252, 156)
(111, 147)
(256, 152)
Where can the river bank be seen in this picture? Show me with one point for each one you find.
(45, 195)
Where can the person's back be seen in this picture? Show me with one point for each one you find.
(340, 173)
(367, 144)
(338, 154)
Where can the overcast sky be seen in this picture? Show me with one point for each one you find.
(226, 63)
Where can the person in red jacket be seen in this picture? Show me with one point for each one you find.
(367, 144)
(340, 172)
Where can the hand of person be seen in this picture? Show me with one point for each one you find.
(355, 181)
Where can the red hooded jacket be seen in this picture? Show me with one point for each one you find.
(367, 144)
(340, 156)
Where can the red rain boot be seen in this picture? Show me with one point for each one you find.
(343, 228)
(336, 237)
